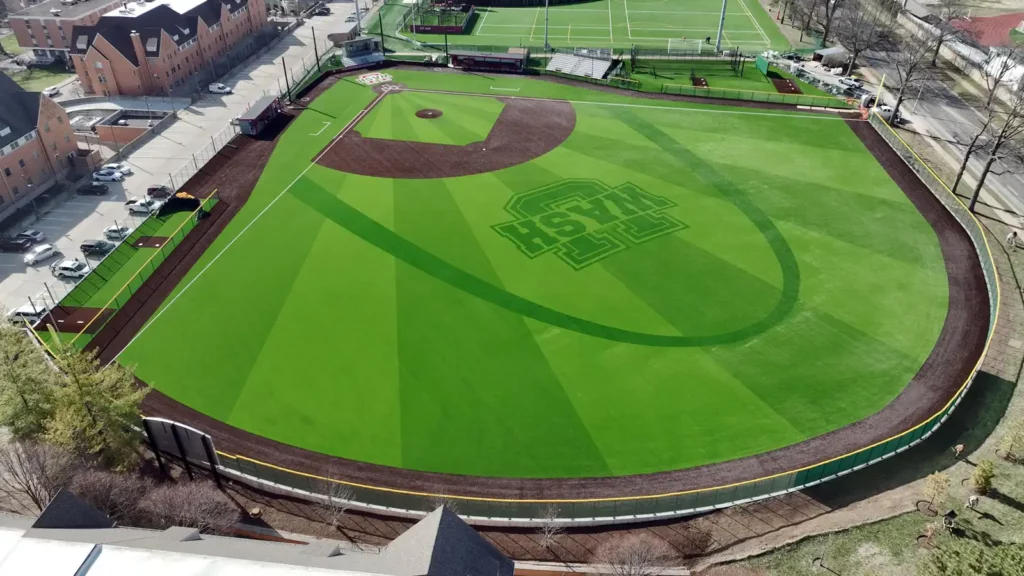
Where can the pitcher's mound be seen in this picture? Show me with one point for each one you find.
(429, 113)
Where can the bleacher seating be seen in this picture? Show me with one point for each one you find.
(362, 61)
(579, 65)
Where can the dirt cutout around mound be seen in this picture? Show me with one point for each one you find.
(525, 129)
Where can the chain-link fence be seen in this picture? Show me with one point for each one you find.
(827, 102)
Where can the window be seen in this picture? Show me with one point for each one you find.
(7, 171)
(14, 145)
(102, 79)
(99, 65)
(35, 155)
(15, 191)
(53, 146)
(28, 137)
(66, 139)
(60, 119)
(21, 163)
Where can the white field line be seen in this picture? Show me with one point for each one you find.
(611, 34)
(576, 26)
(684, 13)
(482, 20)
(534, 27)
(321, 130)
(807, 116)
(752, 19)
(629, 30)
(506, 89)
(348, 127)
(568, 36)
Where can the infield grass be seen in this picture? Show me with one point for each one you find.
(399, 324)
(465, 119)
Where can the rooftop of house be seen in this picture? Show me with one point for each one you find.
(20, 112)
(178, 18)
(72, 538)
(64, 9)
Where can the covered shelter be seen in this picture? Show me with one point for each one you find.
(490, 61)
(259, 115)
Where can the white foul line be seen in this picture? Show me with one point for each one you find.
(320, 131)
(344, 131)
(629, 30)
(506, 89)
(611, 34)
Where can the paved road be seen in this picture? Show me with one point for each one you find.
(941, 113)
(82, 218)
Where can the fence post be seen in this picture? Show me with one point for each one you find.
(181, 450)
(211, 457)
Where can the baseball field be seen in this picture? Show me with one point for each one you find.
(510, 277)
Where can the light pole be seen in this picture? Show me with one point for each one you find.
(547, 45)
(721, 25)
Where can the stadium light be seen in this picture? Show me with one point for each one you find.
(547, 45)
(721, 24)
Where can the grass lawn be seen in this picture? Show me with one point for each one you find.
(654, 74)
(465, 119)
(10, 44)
(732, 305)
(614, 24)
(38, 79)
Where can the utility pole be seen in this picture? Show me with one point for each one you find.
(287, 87)
(547, 45)
(721, 25)
(380, 21)
(359, 22)
(316, 54)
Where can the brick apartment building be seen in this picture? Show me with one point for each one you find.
(37, 145)
(167, 46)
(44, 29)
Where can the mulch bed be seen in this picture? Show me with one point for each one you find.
(786, 86)
(151, 241)
(429, 113)
(525, 129)
(72, 319)
(958, 347)
(699, 81)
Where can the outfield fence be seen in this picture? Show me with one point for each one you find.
(828, 102)
(617, 510)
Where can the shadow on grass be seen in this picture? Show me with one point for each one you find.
(970, 424)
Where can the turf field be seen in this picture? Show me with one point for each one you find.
(665, 24)
(674, 285)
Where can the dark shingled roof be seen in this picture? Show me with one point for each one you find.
(150, 25)
(442, 544)
(19, 112)
(69, 511)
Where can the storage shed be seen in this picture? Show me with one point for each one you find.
(831, 57)
(261, 113)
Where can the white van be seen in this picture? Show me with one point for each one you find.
(30, 313)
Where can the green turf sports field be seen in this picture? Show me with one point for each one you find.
(778, 286)
(465, 119)
(663, 24)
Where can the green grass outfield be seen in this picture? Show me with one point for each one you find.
(773, 284)
(612, 24)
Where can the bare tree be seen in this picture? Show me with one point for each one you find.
(116, 495)
(995, 76)
(32, 473)
(194, 504)
(803, 10)
(549, 529)
(936, 489)
(949, 11)
(910, 64)
(337, 500)
(863, 25)
(635, 555)
(825, 16)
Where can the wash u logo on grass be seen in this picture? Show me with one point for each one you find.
(583, 221)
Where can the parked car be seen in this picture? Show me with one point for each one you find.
(14, 244)
(792, 57)
(41, 253)
(350, 18)
(886, 112)
(218, 88)
(30, 313)
(118, 232)
(96, 247)
(51, 91)
(159, 192)
(143, 205)
(33, 236)
(321, 11)
(107, 176)
(93, 189)
(69, 268)
(850, 82)
(124, 169)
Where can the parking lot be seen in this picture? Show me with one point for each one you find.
(173, 151)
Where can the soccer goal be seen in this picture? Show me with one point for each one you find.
(685, 45)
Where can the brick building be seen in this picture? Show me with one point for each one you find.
(166, 47)
(37, 145)
(44, 29)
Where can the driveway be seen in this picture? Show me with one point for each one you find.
(179, 150)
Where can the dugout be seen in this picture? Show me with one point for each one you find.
(490, 61)
(259, 115)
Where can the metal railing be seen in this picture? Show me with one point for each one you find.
(613, 510)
